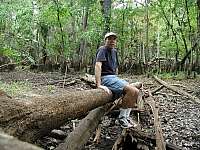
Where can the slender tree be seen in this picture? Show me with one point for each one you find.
(106, 11)
(82, 50)
(61, 28)
(148, 52)
(198, 34)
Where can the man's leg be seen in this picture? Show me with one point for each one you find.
(129, 101)
(118, 86)
(122, 120)
(130, 97)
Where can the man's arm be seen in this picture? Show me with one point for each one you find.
(98, 73)
(98, 77)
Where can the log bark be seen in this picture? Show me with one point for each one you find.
(179, 91)
(8, 142)
(31, 119)
(81, 134)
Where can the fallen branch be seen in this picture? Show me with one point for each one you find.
(7, 65)
(179, 91)
(89, 79)
(81, 134)
(157, 89)
(179, 85)
(69, 83)
(160, 144)
(184, 87)
(114, 104)
(163, 94)
(98, 134)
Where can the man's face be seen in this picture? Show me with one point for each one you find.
(111, 41)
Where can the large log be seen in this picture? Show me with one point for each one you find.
(31, 119)
(8, 142)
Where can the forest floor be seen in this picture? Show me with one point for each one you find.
(179, 116)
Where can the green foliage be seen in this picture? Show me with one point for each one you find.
(48, 14)
(166, 75)
(21, 35)
(179, 76)
(50, 88)
(13, 54)
(15, 88)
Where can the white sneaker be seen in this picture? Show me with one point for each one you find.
(123, 122)
(132, 122)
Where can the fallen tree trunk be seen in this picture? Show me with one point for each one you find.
(179, 91)
(31, 119)
(8, 142)
(160, 144)
(81, 134)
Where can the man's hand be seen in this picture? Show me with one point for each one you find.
(105, 89)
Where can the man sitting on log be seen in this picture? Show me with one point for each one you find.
(106, 70)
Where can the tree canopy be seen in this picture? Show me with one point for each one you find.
(60, 30)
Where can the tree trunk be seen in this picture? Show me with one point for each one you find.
(122, 41)
(83, 51)
(106, 11)
(198, 34)
(35, 30)
(142, 50)
(158, 50)
(30, 120)
(61, 28)
(148, 52)
(44, 33)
